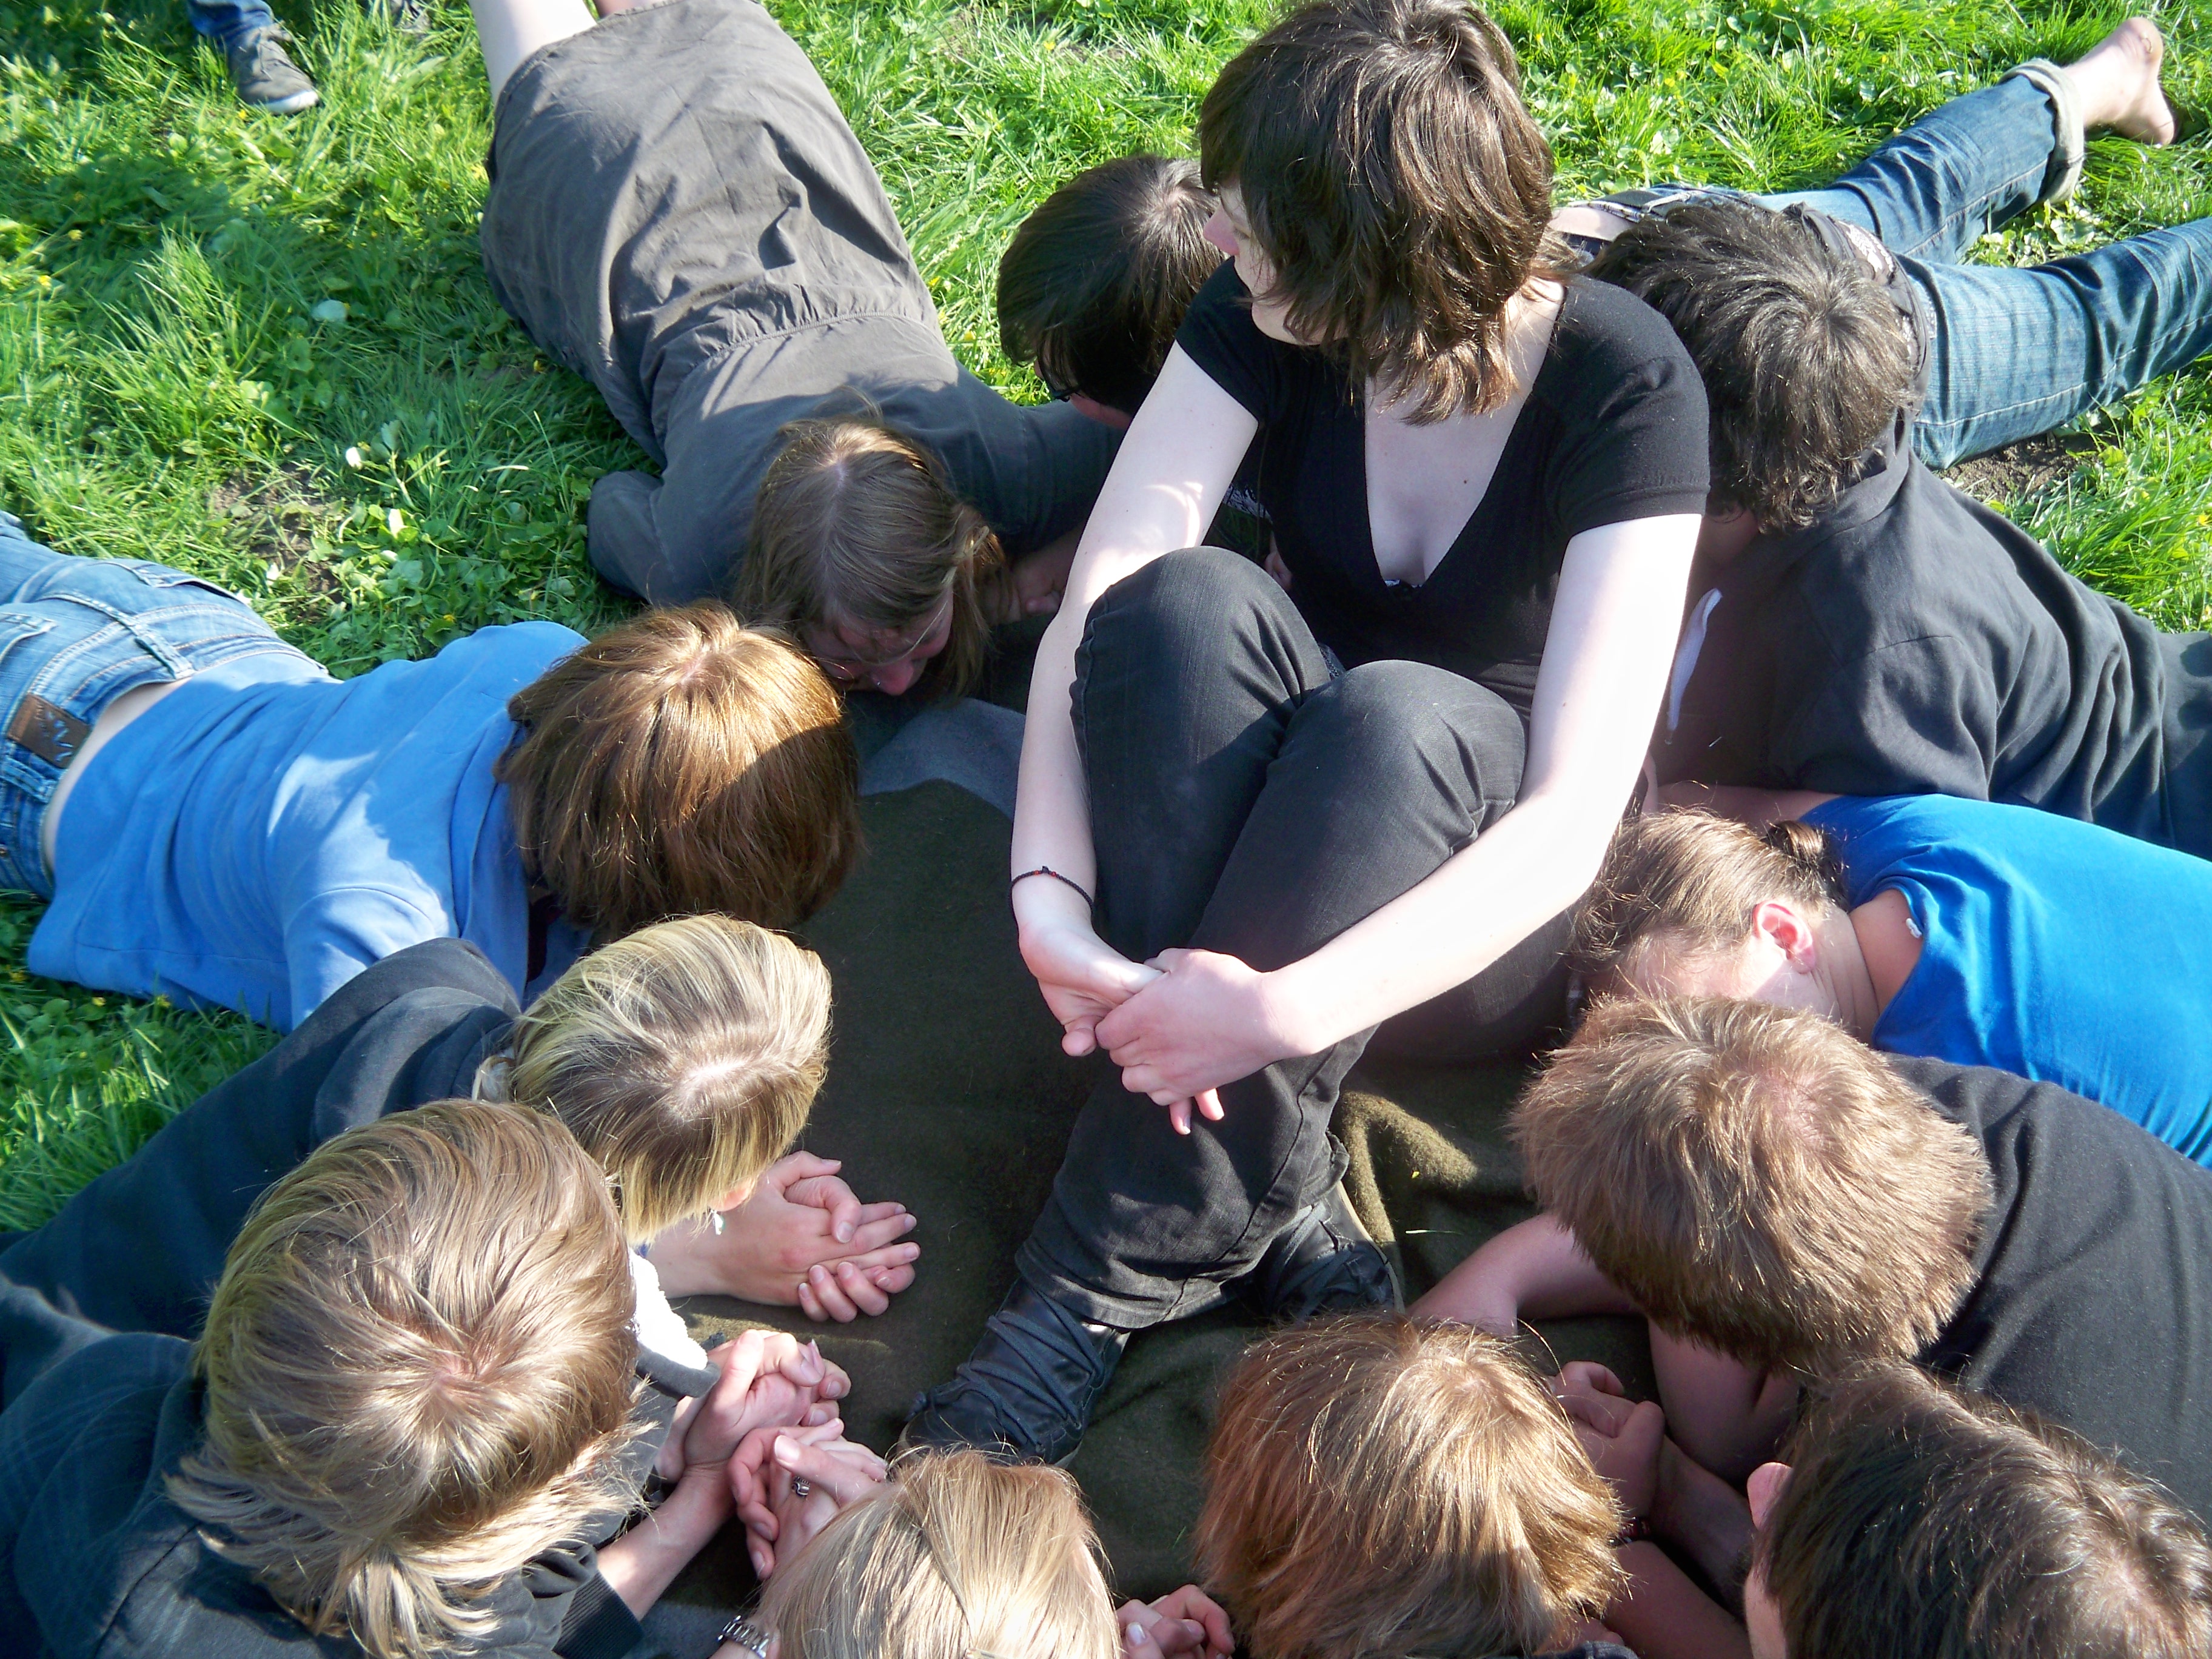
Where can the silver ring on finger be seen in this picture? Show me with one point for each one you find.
(801, 1488)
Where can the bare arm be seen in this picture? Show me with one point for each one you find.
(1726, 1415)
(1664, 1615)
(1534, 1271)
(1169, 476)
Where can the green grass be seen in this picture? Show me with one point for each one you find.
(378, 484)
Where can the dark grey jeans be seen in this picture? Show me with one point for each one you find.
(1244, 800)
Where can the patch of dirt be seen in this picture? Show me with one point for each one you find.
(278, 513)
(2023, 470)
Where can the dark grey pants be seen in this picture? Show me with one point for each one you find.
(1244, 800)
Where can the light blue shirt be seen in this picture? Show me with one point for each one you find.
(265, 832)
(2050, 948)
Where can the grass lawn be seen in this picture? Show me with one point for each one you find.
(382, 473)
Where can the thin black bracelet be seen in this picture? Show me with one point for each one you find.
(1047, 870)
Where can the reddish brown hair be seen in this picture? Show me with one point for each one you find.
(1384, 1486)
(679, 764)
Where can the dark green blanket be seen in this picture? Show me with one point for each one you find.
(948, 1091)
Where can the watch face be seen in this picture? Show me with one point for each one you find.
(746, 1634)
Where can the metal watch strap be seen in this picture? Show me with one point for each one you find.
(746, 1634)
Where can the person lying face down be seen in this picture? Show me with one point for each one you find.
(416, 1406)
(1916, 1518)
(729, 290)
(1857, 626)
(1381, 1485)
(225, 823)
(684, 1058)
(940, 1555)
(1781, 1202)
(1960, 930)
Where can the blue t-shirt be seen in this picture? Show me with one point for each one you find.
(265, 832)
(2050, 948)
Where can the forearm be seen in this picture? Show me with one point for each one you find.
(1532, 863)
(1534, 1271)
(1726, 1415)
(1052, 806)
(1665, 1616)
(1705, 1517)
(644, 1561)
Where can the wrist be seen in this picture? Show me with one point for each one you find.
(1298, 1017)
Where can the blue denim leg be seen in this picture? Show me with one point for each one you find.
(2019, 352)
(75, 635)
(226, 22)
(1959, 170)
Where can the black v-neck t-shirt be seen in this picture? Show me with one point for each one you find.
(1614, 429)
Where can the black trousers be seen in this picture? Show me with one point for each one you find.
(1246, 801)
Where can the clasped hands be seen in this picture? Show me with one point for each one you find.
(1180, 1026)
(800, 1237)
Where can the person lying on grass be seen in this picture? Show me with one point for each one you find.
(1860, 627)
(679, 212)
(414, 1417)
(1312, 812)
(684, 1058)
(940, 1555)
(215, 818)
(1961, 930)
(2007, 353)
(1911, 1517)
(1780, 1202)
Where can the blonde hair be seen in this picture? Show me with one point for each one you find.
(419, 1374)
(1682, 886)
(684, 1058)
(683, 763)
(1384, 1486)
(857, 527)
(1757, 1180)
(956, 1556)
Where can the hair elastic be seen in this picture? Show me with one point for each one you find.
(1047, 870)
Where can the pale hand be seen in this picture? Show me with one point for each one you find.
(1083, 978)
(1186, 1621)
(778, 1519)
(1206, 1022)
(1621, 1436)
(768, 1379)
(802, 1239)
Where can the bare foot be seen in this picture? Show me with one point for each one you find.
(2119, 84)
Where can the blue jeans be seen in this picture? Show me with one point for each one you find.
(2016, 352)
(226, 22)
(75, 635)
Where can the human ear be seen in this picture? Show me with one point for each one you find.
(1764, 1489)
(1791, 933)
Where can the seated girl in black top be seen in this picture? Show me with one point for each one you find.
(1383, 786)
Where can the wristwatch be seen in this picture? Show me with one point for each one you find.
(746, 1634)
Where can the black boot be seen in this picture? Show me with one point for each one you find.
(1027, 1390)
(1324, 1262)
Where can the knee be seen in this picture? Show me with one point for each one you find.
(1407, 718)
(1193, 599)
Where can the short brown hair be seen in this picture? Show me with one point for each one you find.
(955, 1556)
(1922, 1520)
(857, 525)
(1805, 359)
(684, 1058)
(681, 764)
(1094, 283)
(1384, 1486)
(1757, 1179)
(419, 1369)
(1397, 185)
(1684, 885)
